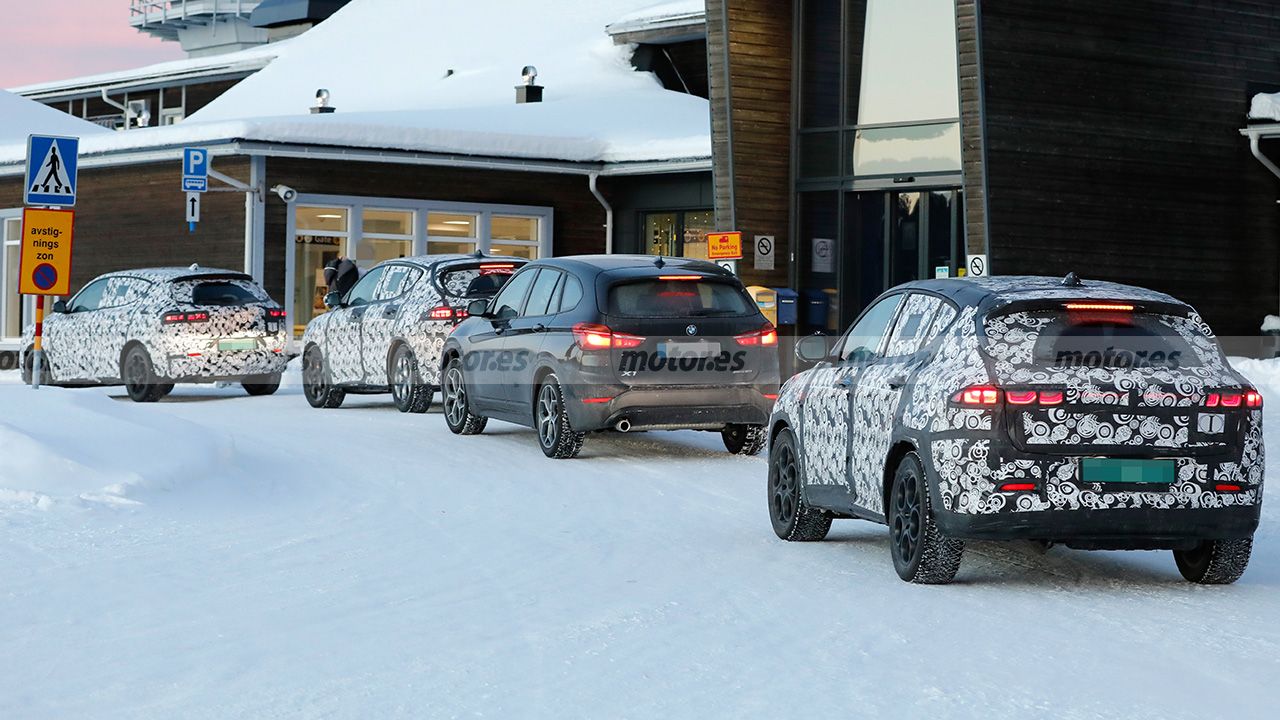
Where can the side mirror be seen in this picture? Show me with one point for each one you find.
(60, 306)
(333, 300)
(813, 349)
(478, 308)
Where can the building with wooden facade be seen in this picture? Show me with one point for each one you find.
(887, 140)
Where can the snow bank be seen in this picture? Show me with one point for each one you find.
(1265, 107)
(20, 117)
(61, 445)
(667, 11)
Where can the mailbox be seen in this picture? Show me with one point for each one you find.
(767, 299)
(788, 306)
(816, 306)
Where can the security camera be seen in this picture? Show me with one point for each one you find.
(285, 192)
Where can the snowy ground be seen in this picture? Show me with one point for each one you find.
(220, 556)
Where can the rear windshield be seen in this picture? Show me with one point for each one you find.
(1115, 340)
(678, 299)
(475, 282)
(225, 292)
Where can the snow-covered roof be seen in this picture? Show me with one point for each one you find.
(20, 117)
(453, 94)
(248, 60)
(676, 13)
(1266, 106)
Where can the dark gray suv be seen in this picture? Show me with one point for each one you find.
(628, 343)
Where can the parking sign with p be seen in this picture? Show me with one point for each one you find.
(195, 170)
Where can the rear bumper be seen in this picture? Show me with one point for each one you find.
(669, 407)
(209, 367)
(1120, 529)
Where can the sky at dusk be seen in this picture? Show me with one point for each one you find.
(57, 39)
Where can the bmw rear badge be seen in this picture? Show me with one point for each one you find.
(691, 330)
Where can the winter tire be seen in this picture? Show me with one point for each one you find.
(792, 518)
(921, 553)
(407, 390)
(316, 386)
(550, 418)
(139, 376)
(457, 406)
(165, 389)
(262, 385)
(1215, 562)
(744, 439)
(28, 366)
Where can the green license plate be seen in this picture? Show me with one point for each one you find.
(235, 345)
(1114, 470)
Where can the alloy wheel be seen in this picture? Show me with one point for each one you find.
(905, 526)
(548, 415)
(455, 396)
(784, 486)
(402, 377)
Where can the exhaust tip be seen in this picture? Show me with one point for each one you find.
(623, 425)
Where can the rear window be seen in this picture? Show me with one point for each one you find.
(678, 299)
(226, 292)
(1114, 340)
(475, 282)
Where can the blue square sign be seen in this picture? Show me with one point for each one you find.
(51, 170)
(195, 170)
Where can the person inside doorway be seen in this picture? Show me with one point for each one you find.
(341, 274)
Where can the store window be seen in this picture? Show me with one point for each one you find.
(321, 235)
(514, 236)
(10, 259)
(451, 233)
(386, 235)
(679, 234)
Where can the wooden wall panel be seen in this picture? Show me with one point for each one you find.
(1112, 147)
(749, 48)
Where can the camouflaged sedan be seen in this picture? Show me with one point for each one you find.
(1091, 414)
(149, 329)
(386, 334)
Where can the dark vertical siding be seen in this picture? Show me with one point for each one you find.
(750, 70)
(1112, 146)
(972, 151)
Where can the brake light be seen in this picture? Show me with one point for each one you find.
(1021, 397)
(766, 336)
(694, 278)
(171, 318)
(1017, 487)
(1226, 488)
(500, 266)
(1100, 307)
(1050, 397)
(274, 314)
(770, 396)
(597, 400)
(1253, 399)
(444, 312)
(978, 396)
(1231, 400)
(600, 337)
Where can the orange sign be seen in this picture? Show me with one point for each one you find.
(724, 246)
(46, 252)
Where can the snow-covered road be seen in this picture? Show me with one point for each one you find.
(269, 560)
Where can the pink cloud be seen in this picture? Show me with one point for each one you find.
(69, 38)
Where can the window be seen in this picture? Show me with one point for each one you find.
(385, 235)
(820, 63)
(10, 259)
(451, 233)
(909, 62)
(223, 293)
(514, 236)
(363, 292)
(511, 298)
(913, 324)
(397, 280)
(320, 236)
(678, 233)
(544, 290)
(863, 341)
(90, 298)
(678, 299)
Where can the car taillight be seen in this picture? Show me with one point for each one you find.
(275, 314)
(443, 312)
(1227, 399)
(171, 318)
(766, 336)
(1046, 398)
(600, 337)
(1099, 307)
(978, 396)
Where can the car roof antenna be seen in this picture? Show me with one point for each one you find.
(659, 263)
(1071, 280)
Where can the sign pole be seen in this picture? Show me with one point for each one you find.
(37, 360)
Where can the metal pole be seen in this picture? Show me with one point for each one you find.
(37, 360)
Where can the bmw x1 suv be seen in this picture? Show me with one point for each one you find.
(629, 343)
(385, 335)
(149, 329)
(1096, 415)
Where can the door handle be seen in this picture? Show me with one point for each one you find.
(390, 311)
(845, 382)
(539, 328)
(897, 383)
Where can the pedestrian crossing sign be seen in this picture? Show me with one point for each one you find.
(51, 170)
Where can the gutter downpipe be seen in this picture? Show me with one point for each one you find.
(128, 114)
(593, 184)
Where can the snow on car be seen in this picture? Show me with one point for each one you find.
(151, 328)
(1092, 414)
(387, 332)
